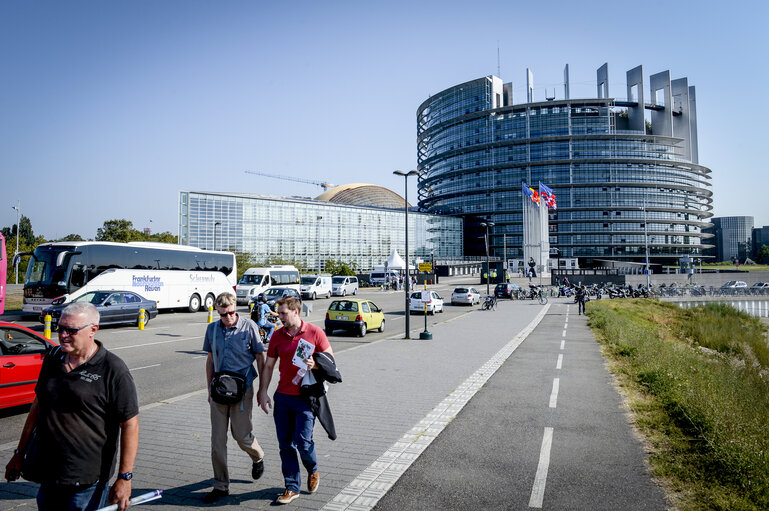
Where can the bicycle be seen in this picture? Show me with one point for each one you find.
(542, 296)
(489, 303)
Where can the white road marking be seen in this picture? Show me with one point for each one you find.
(554, 394)
(560, 361)
(145, 367)
(563, 343)
(538, 490)
(154, 343)
(564, 333)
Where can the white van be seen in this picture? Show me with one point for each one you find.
(313, 286)
(259, 280)
(344, 285)
(379, 277)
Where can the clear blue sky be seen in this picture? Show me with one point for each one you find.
(109, 108)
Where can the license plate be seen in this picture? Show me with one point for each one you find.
(37, 309)
(343, 317)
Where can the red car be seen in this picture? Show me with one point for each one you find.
(21, 356)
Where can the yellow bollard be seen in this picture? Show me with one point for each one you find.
(210, 314)
(142, 317)
(47, 330)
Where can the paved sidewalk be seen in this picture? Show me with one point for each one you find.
(396, 398)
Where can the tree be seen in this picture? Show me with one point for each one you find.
(71, 237)
(763, 254)
(335, 267)
(121, 231)
(244, 261)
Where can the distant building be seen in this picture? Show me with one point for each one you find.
(360, 224)
(624, 170)
(732, 237)
(759, 237)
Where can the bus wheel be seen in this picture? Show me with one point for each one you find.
(210, 300)
(194, 303)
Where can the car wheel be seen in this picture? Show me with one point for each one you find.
(146, 318)
(209, 302)
(194, 305)
(328, 295)
(354, 292)
(313, 296)
(344, 293)
(381, 327)
(362, 330)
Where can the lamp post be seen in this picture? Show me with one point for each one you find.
(216, 224)
(646, 246)
(317, 238)
(17, 207)
(406, 174)
(486, 239)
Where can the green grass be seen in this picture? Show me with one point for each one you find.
(697, 382)
(13, 301)
(730, 266)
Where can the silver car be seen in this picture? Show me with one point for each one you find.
(465, 295)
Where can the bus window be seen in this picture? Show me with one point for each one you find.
(77, 277)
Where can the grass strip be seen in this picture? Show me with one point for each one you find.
(697, 383)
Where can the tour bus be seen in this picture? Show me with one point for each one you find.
(259, 280)
(3, 273)
(173, 276)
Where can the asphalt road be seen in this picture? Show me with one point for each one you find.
(166, 359)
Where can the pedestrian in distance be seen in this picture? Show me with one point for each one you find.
(261, 314)
(294, 419)
(233, 345)
(85, 410)
(581, 293)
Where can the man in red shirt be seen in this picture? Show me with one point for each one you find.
(294, 420)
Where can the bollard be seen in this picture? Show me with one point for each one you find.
(47, 330)
(142, 318)
(210, 314)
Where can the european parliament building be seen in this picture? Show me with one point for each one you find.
(357, 223)
(625, 171)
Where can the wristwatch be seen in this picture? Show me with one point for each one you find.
(127, 476)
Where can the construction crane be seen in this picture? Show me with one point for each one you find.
(323, 184)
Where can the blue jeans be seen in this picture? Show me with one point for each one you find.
(268, 328)
(54, 497)
(294, 422)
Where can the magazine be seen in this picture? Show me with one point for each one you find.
(304, 351)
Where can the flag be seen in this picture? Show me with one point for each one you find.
(548, 196)
(531, 193)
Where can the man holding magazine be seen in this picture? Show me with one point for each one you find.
(294, 345)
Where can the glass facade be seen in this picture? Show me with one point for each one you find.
(308, 231)
(732, 237)
(612, 185)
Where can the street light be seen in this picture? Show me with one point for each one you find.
(646, 246)
(18, 231)
(317, 238)
(406, 174)
(486, 239)
(216, 224)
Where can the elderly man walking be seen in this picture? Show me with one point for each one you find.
(233, 345)
(86, 405)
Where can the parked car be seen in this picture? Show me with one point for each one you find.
(313, 286)
(21, 357)
(115, 307)
(506, 290)
(733, 284)
(354, 314)
(344, 285)
(274, 294)
(465, 295)
(434, 305)
(760, 285)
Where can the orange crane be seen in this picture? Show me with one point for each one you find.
(323, 184)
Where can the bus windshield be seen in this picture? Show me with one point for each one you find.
(253, 279)
(42, 269)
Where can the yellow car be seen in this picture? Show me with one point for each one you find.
(354, 314)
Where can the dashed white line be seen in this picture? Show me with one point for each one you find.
(538, 490)
(563, 343)
(560, 361)
(145, 367)
(554, 393)
(564, 333)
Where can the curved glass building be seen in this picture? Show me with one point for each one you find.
(625, 171)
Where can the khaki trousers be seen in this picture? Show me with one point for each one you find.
(239, 421)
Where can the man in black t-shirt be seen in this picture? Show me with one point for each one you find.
(86, 405)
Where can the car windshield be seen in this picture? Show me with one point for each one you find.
(460, 290)
(308, 281)
(417, 295)
(93, 297)
(251, 279)
(275, 291)
(338, 280)
(343, 305)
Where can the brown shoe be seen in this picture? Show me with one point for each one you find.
(313, 480)
(287, 497)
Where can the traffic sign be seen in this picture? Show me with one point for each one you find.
(425, 267)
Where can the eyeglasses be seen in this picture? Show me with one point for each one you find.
(225, 314)
(71, 330)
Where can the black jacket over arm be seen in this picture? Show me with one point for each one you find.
(325, 371)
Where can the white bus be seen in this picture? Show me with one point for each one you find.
(174, 276)
(259, 280)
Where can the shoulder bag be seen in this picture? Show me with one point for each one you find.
(227, 387)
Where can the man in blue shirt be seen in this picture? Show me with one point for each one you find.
(237, 345)
(261, 312)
